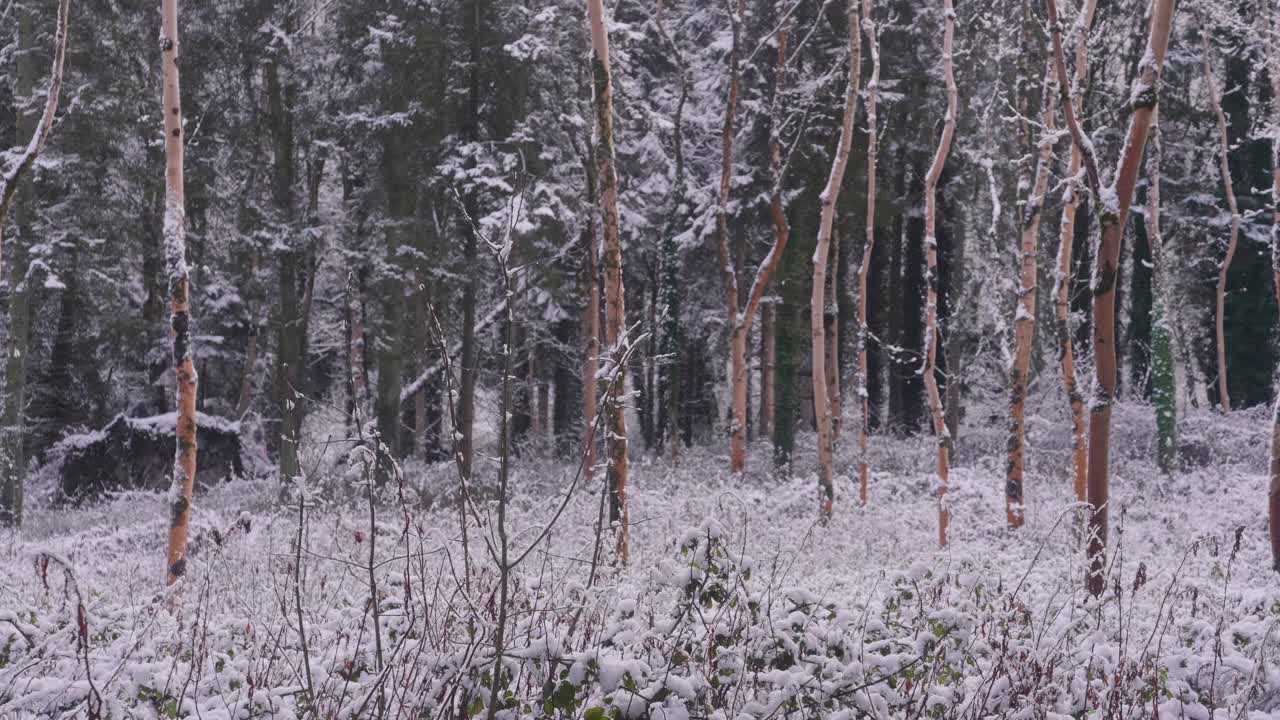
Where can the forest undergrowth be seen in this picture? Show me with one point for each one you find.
(736, 604)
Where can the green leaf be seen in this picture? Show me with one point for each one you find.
(564, 696)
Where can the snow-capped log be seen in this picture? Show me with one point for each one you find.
(137, 454)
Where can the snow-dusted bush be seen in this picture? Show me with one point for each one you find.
(708, 635)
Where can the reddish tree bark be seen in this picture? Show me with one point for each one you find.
(615, 312)
(1224, 167)
(1073, 96)
(175, 246)
(1113, 210)
(741, 319)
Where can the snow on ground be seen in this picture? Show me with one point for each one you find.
(737, 603)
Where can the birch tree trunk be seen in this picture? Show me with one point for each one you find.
(615, 314)
(873, 96)
(175, 250)
(1113, 210)
(931, 274)
(1066, 239)
(1224, 167)
(1024, 321)
(13, 461)
(817, 304)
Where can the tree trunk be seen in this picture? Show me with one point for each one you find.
(13, 187)
(768, 363)
(668, 429)
(640, 396)
(742, 319)
(652, 398)
(175, 249)
(421, 421)
(356, 349)
(566, 410)
(1024, 321)
(1273, 494)
(831, 341)
(954, 340)
(590, 326)
(542, 418)
(14, 458)
(931, 336)
(737, 328)
(1113, 210)
(1164, 391)
(291, 342)
(817, 304)
(1066, 241)
(615, 311)
(40, 131)
(392, 344)
(873, 95)
(245, 399)
(466, 415)
(1224, 167)
(1273, 60)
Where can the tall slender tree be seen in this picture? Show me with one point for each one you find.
(473, 16)
(738, 379)
(669, 344)
(1228, 189)
(590, 283)
(1066, 239)
(864, 269)
(1113, 210)
(175, 250)
(1024, 321)
(931, 335)
(12, 425)
(1164, 392)
(817, 305)
(615, 313)
(291, 353)
(26, 160)
(1271, 30)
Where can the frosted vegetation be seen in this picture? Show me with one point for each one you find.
(737, 603)
(514, 340)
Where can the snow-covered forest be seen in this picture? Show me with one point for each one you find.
(669, 359)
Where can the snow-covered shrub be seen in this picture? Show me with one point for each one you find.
(707, 636)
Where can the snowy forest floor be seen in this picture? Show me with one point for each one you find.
(736, 604)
